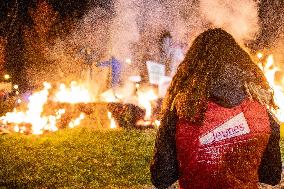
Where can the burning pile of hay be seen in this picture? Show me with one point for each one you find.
(49, 110)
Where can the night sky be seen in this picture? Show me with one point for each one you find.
(16, 11)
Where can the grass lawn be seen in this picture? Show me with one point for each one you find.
(77, 158)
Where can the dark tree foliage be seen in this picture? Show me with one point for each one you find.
(15, 18)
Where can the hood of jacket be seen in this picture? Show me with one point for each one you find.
(227, 89)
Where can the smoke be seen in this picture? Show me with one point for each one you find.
(74, 56)
(87, 44)
(124, 29)
(137, 27)
(145, 21)
(178, 17)
(240, 18)
(272, 22)
(133, 29)
(183, 20)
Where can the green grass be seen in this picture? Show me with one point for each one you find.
(77, 158)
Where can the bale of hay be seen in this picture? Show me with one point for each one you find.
(126, 115)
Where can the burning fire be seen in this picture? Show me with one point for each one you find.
(33, 115)
(75, 94)
(112, 122)
(34, 119)
(109, 96)
(269, 69)
(144, 100)
(76, 121)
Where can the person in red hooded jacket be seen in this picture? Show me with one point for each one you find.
(216, 127)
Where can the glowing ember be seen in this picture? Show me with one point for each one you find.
(6, 76)
(259, 55)
(112, 122)
(157, 123)
(75, 94)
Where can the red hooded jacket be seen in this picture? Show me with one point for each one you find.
(236, 146)
(226, 151)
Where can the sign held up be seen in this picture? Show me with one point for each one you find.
(155, 72)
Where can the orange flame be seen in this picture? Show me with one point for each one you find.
(109, 96)
(112, 122)
(33, 119)
(269, 71)
(75, 94)
(33, 115)
(144, 100)
(37, 100)
(76, 121)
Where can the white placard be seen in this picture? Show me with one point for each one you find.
(155, 71)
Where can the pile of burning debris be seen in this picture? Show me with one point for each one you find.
(54, 108)
(49, 110)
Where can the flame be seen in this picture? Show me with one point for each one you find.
(17, 128)
(144, 100)
(112, 122)
(144, 122)
(269, 71)
(157, 123)
(34, 120)
(259, 55)
(33, 115)
(109, 96)
(76, 121)
(6, 76)
(259, 63)
(75, 94)
(35, 109)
